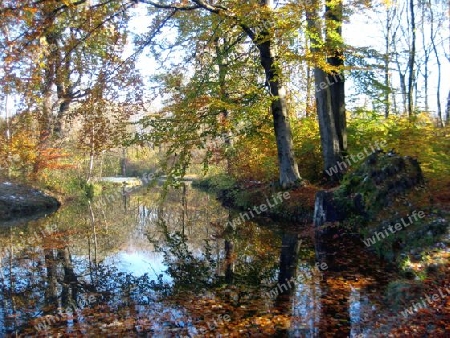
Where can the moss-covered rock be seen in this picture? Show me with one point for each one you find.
(371, 199)
(380, 180)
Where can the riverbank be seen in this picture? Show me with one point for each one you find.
(18, 201)
(385, 203)
(298, 208)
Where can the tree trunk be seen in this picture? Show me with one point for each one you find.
(447, 110)
(438, 62)
(330, 103)
(411, 61)
(309, 86)
(91, 166)
(289, 174)
(335, 79)
(426, 59)
(124, 162)
(403, 88)
(91, 156)
(8, 138)
(387, 58)
(7, 115)
(45, 115)
(327, 125)
(221, 55)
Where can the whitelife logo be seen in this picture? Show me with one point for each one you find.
(339, 166)
(422, 305)
(398, 226)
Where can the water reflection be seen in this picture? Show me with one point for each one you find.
(137, 266)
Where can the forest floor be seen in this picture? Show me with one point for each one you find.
(432, 292)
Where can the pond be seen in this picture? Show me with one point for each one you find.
(133, 266)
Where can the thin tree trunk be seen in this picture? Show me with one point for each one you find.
(411, 61)
(124, 162)
(183, 208)
(438, 62)
(94, 232)
(309, 86)
(7, 122)
(394, 103)
(425, 61)
(8, 138)
(91, 154)
(425, 79)
(91, 165)
(403, 87)
(447, 110)
(387, 103)
(101, 163)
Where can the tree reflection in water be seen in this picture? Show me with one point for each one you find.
(140, 266)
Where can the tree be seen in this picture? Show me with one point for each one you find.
(63, 54)
(447, 109)
(58, 48)
(390, 12)
(412, 58)
(212, 100)
(259, 30)
(289, 174)
(329, 81)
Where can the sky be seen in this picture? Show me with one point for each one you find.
(362, 30)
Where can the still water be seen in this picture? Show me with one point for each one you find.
(137, 267)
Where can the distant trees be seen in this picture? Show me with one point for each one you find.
(61, 54)
(407, 76)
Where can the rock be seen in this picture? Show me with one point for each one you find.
(17, 201)
(377, 183)
(375, 186)
(326, 209)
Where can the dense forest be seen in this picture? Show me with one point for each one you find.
(329, 117)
